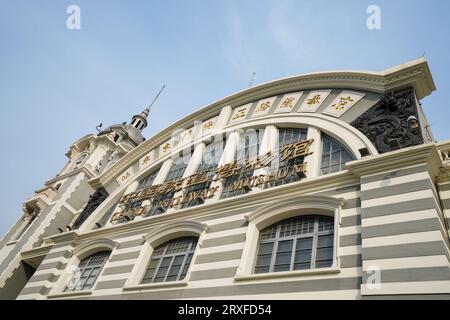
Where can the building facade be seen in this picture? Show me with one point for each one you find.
(320, 186)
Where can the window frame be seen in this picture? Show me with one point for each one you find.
(79, 253)
(303, 205)
(164, 255)
(83, 269)
(342, 147)
(315, 234)
(153, 240)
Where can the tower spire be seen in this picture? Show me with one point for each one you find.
(139, 121)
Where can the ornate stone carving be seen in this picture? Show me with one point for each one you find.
(386, 123)
(94, 201)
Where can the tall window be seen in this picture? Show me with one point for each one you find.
(88, 271)
(171, 261)
(248, 149)
(284, 170)
(334, 155)
(159, 203)
(303, 242)
(206, 169)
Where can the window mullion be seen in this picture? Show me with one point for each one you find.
(83, 283)
(274, 249)
(314, 244)
(293, 251)
(169, 267)
(157, 268)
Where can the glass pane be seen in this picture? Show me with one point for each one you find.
(303, 256)
(172, 278)
(174, 270)
(325, 160)
(304, 243)
(263, 260)
(261, 269)
(178, 260)
(324, 264)
(324, 254)
(302, 266)
(153, 263)
(166, 262)
(148, 276)
(325, 241)
(281, 268)
(335, 158)
(283, 258)
(265, 248)
(285, 246)
(161, 274)
(86, 272)
(189, 258)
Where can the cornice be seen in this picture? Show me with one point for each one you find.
(36, 252)
(69, 174)
(422, 154)
(414, 74)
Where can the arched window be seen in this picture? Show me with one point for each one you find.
(160, 202)
(334, 155)
(248, 148)
(171, 261)
(287, 136)
(210, 159)
(88, 271)
(136, 202)
(298, 243)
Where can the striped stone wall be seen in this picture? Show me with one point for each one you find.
(217, 258)
(403, 234)
(392, 221)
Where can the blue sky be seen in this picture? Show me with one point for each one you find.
(57, 84)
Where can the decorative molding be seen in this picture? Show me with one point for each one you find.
(422, 154)
(388, 121)
(288, 205)
(286, 274)
(157, 285)
(174, 230)
(97, 244)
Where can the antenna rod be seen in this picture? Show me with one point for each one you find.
(157, 95)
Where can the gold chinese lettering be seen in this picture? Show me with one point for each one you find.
(343, 103)
(228, 170)
(166, 147)
(263, 107)
(314, 100)
(171, 186)
(239, 114)
(288, 102)
(260, 162)
(197, 178)
(208, 125)
(296, 150)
